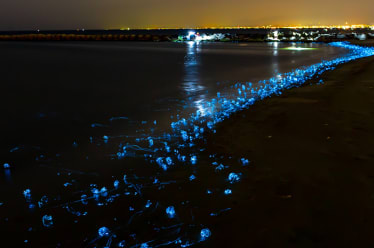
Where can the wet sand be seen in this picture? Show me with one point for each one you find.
(311, 181)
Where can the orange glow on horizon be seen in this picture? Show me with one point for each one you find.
(353, 26)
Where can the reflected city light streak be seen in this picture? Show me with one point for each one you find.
(275, 48)
(191, 82)
(299, 48)
(275, 64)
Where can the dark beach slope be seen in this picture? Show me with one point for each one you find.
(311, 181)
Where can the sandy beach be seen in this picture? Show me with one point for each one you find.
(311, 181)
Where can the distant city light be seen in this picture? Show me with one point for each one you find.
(345, 26)
(191, 35)
(274, 36)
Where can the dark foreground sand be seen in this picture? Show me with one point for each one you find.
(311, 182)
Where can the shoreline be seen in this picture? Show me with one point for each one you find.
(311, 151)
(306, 35)
(262, 201)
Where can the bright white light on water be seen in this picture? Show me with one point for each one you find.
(298, 48)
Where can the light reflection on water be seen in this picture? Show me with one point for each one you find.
(145, 180)
(198, 90)
(275, 58)
(192, 84)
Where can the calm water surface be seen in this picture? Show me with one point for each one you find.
(57, 90)
(57, 99)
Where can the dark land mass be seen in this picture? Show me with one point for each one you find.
(311, 181)
(237, 35)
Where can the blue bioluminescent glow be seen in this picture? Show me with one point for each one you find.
(228, 192)
(116, 184)
(27, 194)
(47, 221)
(234, 177)
(192, 177)
(122, 243)
(244, 161)
(43, 201)
(103, 231)
(174, 156)
(205, 234)
(170, 211)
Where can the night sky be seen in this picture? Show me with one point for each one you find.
(102, 14)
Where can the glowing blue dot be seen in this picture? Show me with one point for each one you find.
(167, 148)
(220, 167)
(182, 158)
(125, 179)
(192, 177)
(244, 161)
(120, 155)
(43, 201)
(47, 221)
(103, 231)
(205, 234)
(6, 166)
(116, 184)
(170, 211)
(210, 125)
(169, 161)
(95, 191)
(122, 243)
(67, 184)
(193, 160)
(184, 135)
(103, 191)
(27, 193)
(228, 192)
(234, 177)
(159, 161)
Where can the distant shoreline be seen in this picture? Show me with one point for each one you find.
(175, 35)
